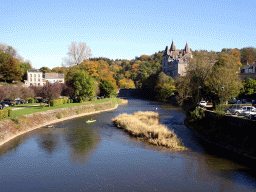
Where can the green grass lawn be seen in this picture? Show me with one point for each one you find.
(35, 109)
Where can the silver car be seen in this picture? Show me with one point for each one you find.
(242, 110)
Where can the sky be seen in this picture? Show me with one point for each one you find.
(42, 30)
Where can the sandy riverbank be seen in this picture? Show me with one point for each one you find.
(9, 136)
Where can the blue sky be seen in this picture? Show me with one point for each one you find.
(42, 30)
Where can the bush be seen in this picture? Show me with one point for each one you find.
(197, 114)
(9, 112)
(102, 97)
(94, 99)
(31, 100)
(58, 115)
(3, 114)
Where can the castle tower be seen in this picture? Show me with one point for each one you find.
(187, 49)
(173, 47)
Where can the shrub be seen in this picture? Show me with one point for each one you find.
(197, 114)
(58, 115)
(94, 99)
(3, 114)
(9, 112)
(102, 97)
(31, 100)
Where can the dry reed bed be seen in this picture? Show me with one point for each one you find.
(146, 125)
(123, 101)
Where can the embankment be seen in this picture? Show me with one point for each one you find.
(12, 128)
(233, 133)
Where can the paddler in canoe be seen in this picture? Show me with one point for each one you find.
(90, 121)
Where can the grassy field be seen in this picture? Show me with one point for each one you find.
(146, 125)
(34, 109)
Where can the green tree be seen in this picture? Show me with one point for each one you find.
(10, 70)
(106, 88)
(198, 70)
(84, 84)
(24, 66)
(224, 73)
(45, 70)
(249, 88)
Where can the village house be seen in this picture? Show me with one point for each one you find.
(37, 78)
(248, 71)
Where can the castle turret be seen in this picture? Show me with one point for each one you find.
(173, 47)
(166, 52)
(187, 49)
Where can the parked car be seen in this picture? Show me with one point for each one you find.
(242, 110)
(19, 101)
(249, 112)
(202, 103)
(7, 102)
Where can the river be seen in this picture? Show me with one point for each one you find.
(75, 156)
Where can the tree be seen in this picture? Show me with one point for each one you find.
(45, 70)
(10, 50)
(164, 87)
(84, 84)
(249, 88)
(198, 70)
(126, 84)
(11, 70)
(77, 53)
(51, 91)
(107, 88)
(248, 55)
(24, 66)
(224, 73)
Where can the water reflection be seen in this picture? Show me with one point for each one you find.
(75, 156)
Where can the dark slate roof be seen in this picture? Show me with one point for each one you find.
(36, 70)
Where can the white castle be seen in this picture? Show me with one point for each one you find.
(174, 63)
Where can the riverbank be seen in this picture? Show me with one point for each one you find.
(229, 132)
(145, 125)
(11, 128)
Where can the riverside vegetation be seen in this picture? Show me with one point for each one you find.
(145, 125)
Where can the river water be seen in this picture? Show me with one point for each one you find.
(75, 156)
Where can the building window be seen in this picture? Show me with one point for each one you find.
(30, 79)
(30, 84)
(38, 79)
(34, 79)
(38, 75)
(38, 84)
(30, 75)
(35, 84)
(34, 75)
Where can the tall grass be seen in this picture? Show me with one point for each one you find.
(146, 125)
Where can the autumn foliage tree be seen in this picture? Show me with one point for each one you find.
(224, 74)
(10, 70)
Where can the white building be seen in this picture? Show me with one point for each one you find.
(37, 78)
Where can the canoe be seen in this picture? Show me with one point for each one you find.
(90, 121)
